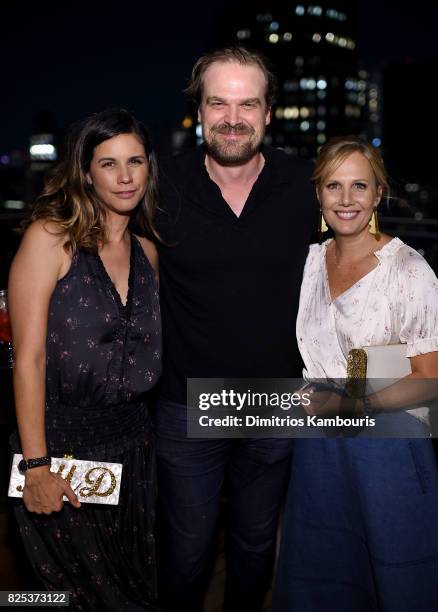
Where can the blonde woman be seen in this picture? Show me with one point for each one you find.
(361, 522)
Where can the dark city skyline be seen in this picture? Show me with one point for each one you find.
(78, 59)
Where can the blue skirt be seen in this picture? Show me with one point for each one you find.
(360, 528)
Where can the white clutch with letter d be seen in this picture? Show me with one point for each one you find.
(96, 482)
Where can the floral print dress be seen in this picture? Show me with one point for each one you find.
(102, 358)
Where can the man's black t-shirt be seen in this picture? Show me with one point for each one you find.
(230, 285)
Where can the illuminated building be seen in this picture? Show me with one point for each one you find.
(313, 51)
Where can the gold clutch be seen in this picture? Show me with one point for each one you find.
(377, 367)
(373, 368)
(96, 482)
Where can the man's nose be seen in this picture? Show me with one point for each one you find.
(233, 114)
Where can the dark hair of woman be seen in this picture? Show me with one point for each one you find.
(69, 200)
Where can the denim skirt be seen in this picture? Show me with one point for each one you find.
(360, 527)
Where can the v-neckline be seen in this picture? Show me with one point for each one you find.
(124, 307)
(360, 280)
(253, 193)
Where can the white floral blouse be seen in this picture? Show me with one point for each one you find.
(396, 302)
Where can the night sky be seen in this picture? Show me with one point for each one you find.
(80, 57)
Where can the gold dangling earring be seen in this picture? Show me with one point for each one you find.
(322, 225)
(374, 225)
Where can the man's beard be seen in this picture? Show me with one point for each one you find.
(232, 153)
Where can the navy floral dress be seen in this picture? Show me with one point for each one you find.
(102, 358)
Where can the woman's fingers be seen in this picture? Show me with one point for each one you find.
(71, 495)
(45, 495)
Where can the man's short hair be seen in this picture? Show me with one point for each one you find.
(237, 54)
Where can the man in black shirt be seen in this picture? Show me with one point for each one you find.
(237, 217)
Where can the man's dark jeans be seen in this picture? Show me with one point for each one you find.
(191, 473)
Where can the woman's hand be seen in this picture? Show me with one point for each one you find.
(43, 491)
(326, 403)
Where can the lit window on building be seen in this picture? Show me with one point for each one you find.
(304, 112)
(287, 36)
(273, 26)
(291, 112)
(187, 122)
(321, 138)
(361, 98)
(243, 34)
(320, 125)
(314, 10)
(330, 37)
(279, 113)
(300, 10)
(311, 84)
(376, 142)
(334, 14)
(321, 94)
(290, 86)
(273, 38)
(316, 37)
(321, 84)
(42, 148)
(199, 130)
(304, 126)
(352, 110)
(264, 17)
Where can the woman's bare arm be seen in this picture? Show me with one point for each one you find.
(40, 261)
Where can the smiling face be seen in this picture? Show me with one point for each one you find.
(348, 196)
(233, 111)
(118, 172)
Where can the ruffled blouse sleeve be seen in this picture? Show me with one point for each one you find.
(418, 302)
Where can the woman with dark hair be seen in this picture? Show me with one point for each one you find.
(83, 300)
